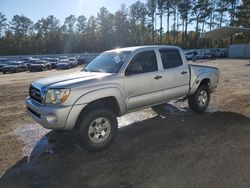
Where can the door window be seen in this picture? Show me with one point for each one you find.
(142, 63)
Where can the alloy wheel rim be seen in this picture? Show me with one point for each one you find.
(202, 98)
(99, 130)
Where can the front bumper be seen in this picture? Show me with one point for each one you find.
(53, 117)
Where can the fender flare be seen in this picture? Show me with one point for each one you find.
(197, 81)
(103, 93)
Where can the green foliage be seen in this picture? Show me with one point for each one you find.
(242, 14)
(3, 23)
(135, 25)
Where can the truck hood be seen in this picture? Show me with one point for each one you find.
(64, 81)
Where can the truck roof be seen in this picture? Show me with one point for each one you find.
(133, 48)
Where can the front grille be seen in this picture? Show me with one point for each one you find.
(35, 94)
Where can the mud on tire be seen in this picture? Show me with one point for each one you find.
(97, 130)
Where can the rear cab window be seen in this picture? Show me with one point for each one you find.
(171, 58)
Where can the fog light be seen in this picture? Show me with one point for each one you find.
(51, 118)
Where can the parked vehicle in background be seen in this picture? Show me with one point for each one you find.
(199, 55)
(64, 64)
(63, 57)
(207, 55)
(221, 53)
(73, 61)
(190, 55)
(115, 83)
(31, 61)
(40, 65)
(213, 53)
(3, 59)
(3, 64)
(14, 66)
(88, 59)
(203, 55)
(218, 52)
(81, 60)
(53, 62)
(25, 59)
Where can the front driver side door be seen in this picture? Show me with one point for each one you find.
(142, 82)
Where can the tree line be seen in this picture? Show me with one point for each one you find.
(139, 24)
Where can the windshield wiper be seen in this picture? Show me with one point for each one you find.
(91, 70)
(97, 71)
(85, 70)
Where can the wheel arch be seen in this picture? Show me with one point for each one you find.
(110, 103)
(203, 79)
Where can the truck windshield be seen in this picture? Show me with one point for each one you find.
(109, 62)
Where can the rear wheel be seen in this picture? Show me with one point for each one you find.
(200, 100)
(97, 129)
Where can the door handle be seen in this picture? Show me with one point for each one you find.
(184, 72)
(158, 77)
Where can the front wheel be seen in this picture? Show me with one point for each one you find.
(200, 100)
(97, 130)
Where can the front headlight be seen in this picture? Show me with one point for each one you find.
(56, 96)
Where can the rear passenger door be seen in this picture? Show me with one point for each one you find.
(175, 74)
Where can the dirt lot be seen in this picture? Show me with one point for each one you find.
(170, 148)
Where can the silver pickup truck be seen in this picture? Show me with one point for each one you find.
(115, 83)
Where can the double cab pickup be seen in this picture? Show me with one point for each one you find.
(115, 83)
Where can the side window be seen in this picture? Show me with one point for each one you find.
(170, 58)
(142, 63)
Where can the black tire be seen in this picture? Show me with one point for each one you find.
(18, 70)
(195, 104)
(84, 136)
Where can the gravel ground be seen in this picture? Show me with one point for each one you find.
(172, 147)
